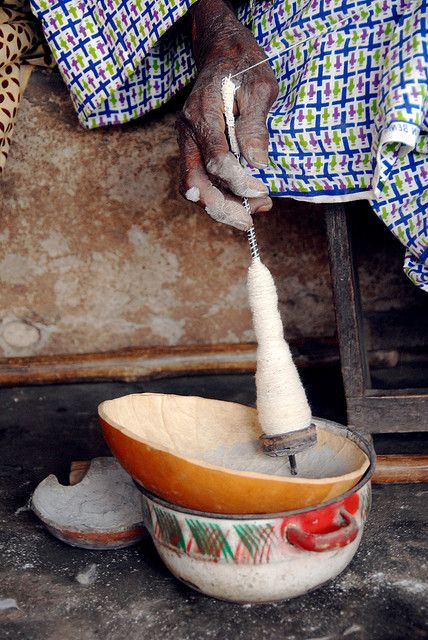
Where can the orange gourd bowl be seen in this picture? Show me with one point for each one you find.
(204, 454)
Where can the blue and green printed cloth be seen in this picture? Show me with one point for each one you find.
(351, 119)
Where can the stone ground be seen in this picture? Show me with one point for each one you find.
(382, 595)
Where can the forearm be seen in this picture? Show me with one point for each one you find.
(213, 22)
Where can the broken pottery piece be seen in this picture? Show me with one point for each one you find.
(205, 455)
(102, 511)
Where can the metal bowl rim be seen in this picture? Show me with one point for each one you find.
(356, 437)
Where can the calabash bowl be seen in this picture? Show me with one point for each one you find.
(205, 455)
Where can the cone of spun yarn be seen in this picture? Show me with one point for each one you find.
(282, 405)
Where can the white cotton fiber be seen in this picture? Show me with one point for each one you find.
(282, 405)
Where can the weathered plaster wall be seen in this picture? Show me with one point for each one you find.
(98, 251)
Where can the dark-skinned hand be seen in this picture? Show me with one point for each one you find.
(209, 173)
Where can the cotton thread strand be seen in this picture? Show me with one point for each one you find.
(282, 405)
(282, 51)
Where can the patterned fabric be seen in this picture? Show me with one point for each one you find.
(351, 118)
(112, 57)
(20, 42)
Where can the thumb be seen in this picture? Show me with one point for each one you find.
(254, 102)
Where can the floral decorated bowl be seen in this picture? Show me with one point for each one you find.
(261, 558)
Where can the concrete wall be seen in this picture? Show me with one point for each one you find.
(98, 251)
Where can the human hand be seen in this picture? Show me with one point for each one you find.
(209, 172)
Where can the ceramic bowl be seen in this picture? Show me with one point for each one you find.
(260, 558)
(205, 455)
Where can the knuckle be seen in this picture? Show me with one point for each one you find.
(253, 128)
(190, 110)
(199, 108)
(274, 91)
(206, 124)
(215, 162)
(187, 113)
(268, 88)
(265, 81)
(274, 87)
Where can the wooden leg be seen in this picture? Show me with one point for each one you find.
(344, 275)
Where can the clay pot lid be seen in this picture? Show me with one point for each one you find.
(102, 510)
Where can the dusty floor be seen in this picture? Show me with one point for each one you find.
(382, 595)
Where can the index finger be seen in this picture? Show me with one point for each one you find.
(204, 113)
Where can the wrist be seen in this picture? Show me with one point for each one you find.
(212, 21)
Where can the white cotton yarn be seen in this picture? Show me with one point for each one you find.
(228, 90)
(282, 405)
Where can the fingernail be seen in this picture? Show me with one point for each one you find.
(258, 158)
(237, 216)
(253, 193)
(241, 226)
(192, 194)
(265, 206)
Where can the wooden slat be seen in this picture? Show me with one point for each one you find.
(355, 369)
(140, 364)
(389, 412)
(401, 469)
(397, 394)
(405, 469)
(129, 364)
